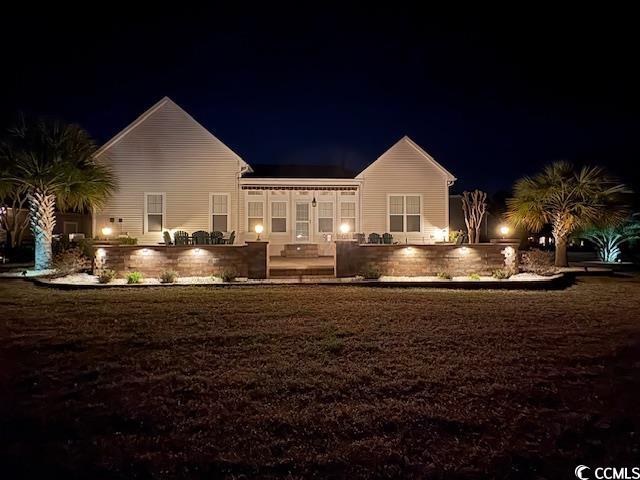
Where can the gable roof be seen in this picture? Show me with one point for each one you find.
(450, 177)
(165, 101)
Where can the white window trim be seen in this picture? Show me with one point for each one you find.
(256, 198)
(226, 194)
(333, 223)
(404, 210)
(164, 211)
(273, 200)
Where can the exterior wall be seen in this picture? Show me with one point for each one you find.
(422, 260)
(168, 152)
(246, 260)
(405, 170)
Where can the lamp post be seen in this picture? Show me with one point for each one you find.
(345, 228)
(259, 229)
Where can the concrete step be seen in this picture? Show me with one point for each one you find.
(300, 250)
(304, 271)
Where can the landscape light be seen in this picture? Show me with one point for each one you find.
(345, 228)
(504, 230)
(259, 229)
(106, 231)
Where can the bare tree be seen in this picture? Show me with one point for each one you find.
(14, 218)
(474, 206)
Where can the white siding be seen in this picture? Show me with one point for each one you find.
(170, 153)
(405, 170)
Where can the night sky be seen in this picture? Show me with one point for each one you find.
(491, 96)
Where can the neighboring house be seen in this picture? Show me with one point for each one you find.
(173, 174)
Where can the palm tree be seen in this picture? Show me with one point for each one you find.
(609, 238)
(54, 164)
(566, 199)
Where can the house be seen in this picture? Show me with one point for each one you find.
(173, 174)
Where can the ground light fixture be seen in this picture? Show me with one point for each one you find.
(259, 229)
(107, 231)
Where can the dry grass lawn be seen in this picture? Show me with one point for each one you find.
(318, 381)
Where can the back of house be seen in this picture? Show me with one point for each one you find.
(174, 175)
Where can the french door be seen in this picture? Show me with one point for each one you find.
(303, 222)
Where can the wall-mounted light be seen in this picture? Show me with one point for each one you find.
(464, 250)
(313, 202)
(504, 231)
(106, 231)
(197, 251)
(259, 229)
(408, 251)
(146, 251)
(345, 228)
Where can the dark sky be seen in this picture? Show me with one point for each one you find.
(491, 95)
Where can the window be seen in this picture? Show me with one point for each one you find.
(278, 217)
(220, 212)
(348, 214)
(404, 213)
(154, 206)
(325, 217)
(255, 215)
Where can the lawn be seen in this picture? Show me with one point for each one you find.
(302, 381)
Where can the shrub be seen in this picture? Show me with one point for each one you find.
(106, 276)
(538, 261)
(70, 260)
(444, 275)
(474, 276)
(453, 235)
(134, 277)
(127, 241)
(371, 272)
(168, 276)
(502, 273)
(228, 275)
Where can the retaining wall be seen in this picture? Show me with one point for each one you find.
(424, 260)
(249, 260)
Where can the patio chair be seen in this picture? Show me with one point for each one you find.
(216, 238)
(167, 238)
(181, 238)
(200, 238)
(387, 238)
(374, 238)
(360, 238)
(232, 238)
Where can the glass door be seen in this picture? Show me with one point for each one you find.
(303, 222)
